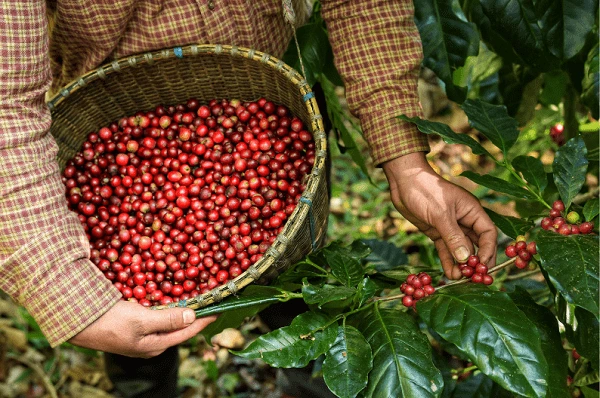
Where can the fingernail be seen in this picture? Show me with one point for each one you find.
(461, 254)
(188, 317)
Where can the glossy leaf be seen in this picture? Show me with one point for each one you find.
(532, 170)
(479, 386)
(253, 296)
(591, 82)
(516, 21)
(493, 122)
(448, 39)
(366, 290)
(385, 255)
(345, 268)
(447, 134)
(496, 336)
(498, 185)
(569, 168)
(325, 294)
(402, 360)
(233, 319)
(585, 335)
(571, 263)
(566, 25)
(510, 226)
(589, 392)
(584, 373)
(294, 346)
(590, 209)
(348, 363)
(547, 326)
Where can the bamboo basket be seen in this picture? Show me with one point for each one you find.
(205, 72)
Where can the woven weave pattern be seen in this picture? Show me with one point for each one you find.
(204, 72)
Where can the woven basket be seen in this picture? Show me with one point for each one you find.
(205, 72)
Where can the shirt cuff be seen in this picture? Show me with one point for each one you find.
(388, 136)
(65, 303)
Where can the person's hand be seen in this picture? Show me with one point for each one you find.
(446, 213)
(132, 330)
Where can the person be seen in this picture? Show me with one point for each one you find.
(44, 254)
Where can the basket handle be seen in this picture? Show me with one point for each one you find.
(290, 17)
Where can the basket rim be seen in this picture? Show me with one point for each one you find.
(303, 210)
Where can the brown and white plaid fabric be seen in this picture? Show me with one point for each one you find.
(44, 252)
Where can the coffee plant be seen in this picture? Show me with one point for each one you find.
(525, 73)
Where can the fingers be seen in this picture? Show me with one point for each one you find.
(168, 320)
(455, 240)
(158, 342)
(451, 270)
(482, 226)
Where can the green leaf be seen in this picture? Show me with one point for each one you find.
(448, 39)
(555, 85)
(589, 392)
(569, 167)
(532, 170)
(478, 386)
(296, 345)
(510, 226)
(547, 326)
(339, 118)
(314, 47)
(345, 268)
(499, 185)
(366, 290)
(585, 374)
(572, 266)
(516, 21)
(590, 210)
(566, 25)
(348, 363)
(385, 255)
(493, 122)
(480, 75)
(325, 294)
(590, 85)
(496, 336)
(447, 134)
(584, 334)
(402, 360)
(255, 297)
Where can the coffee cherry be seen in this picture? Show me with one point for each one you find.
(510, 251)
(473, 261)
(487, 279)
(564, 229)
(520, 263)
(558, 205)
(547, 223)
(573, 217)
(586, 227)
(525, 255)
(532, 248)
(407, 301)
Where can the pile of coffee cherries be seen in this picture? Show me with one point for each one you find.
(568, 225)
(475, 270)
(182, 199)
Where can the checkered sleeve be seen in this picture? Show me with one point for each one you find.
(377, 49)
(44, 253)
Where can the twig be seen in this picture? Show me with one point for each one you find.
(522, 275)
(39, 371)
(456, 282)
(584, 197)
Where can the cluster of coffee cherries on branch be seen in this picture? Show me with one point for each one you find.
(521, 251)
(415, 288)
(476, 270)
(182, 199)
(568, 225)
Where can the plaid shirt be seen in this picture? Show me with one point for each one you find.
(44, 253)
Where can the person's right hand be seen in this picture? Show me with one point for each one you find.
(132, 330)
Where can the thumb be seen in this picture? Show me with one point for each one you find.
(169, 320)
(454, 239)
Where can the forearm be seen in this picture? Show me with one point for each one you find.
(378, 52)
(44, 252)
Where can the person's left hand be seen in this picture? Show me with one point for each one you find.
(449, 215)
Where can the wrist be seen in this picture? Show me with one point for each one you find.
(406, 166)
